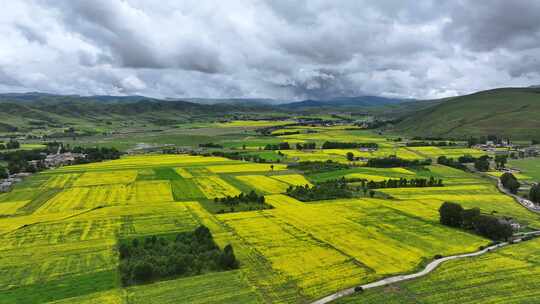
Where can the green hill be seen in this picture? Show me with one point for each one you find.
(509, 112)
(27, 112)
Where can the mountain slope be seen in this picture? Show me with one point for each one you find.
(509, 112)
(360, 101)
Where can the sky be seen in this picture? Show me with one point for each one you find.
(279, 49)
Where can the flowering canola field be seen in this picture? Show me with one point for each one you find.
(59, 229)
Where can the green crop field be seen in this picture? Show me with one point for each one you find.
(60, 229)
(528, 166)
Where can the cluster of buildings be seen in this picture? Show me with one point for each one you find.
(7, 183)
(57, 160)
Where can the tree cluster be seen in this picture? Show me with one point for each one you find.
(97, 154)
(152, 258)
(317, 166)
(322, 191)
(348, 145)
(400, 183)
(306, 146)
(482, 163)
(241, 156)
(510, 182)
(453, 215)
(211, 145)
(18, 160)
(12, 144)
(392, 161)
(280, 146)
(250, 198)
(534, 194)
(3, 173)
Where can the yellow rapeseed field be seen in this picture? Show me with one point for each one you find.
(214, 186)
(246, 167)
(292, 179)
(264, 183)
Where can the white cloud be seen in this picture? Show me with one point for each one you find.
(279, 49)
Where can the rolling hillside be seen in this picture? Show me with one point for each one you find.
(512, 112)
(35, 110)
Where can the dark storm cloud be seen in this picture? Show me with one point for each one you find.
(487, 25)
(273, 48)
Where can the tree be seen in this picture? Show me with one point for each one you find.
(143, 272)
(3, 173)
(492, 227)
(228, 259)
(469, 216)
(482, 164)
(451, 214)
(350, 156)
(510, 182)
(500, 161)
(534, 194)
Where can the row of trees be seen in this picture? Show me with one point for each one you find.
(280, 146)
(287, 146)
(323, 191)
(392, 161)
(481, 163)
(211, 145)
(148, 259)
(317, 166)
(12, 144)
(250, 198)
(400, 183)
(453, 215)
(348, 145)
(241, 156)
(430, 143)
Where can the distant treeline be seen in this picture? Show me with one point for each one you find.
(241, 156)
(481, 163)
(430, 143)
(398, 183)
(318, 166)
(348, 145)
(391, 162)
(148, 259)
(96, 154)
(211, 145)
(453, 215)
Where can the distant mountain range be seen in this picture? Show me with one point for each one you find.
(359, 101)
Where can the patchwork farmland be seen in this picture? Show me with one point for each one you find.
(60, 229)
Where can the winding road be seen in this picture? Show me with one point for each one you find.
(399, 278)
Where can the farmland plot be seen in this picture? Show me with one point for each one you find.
(508, 275)
(292, 179)
(80, 198)
(106, 178)
(10, 208)
(213, 186)
(153, 191)
(249, 167)
(264, 183)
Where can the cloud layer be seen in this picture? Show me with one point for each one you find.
(275, 48)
